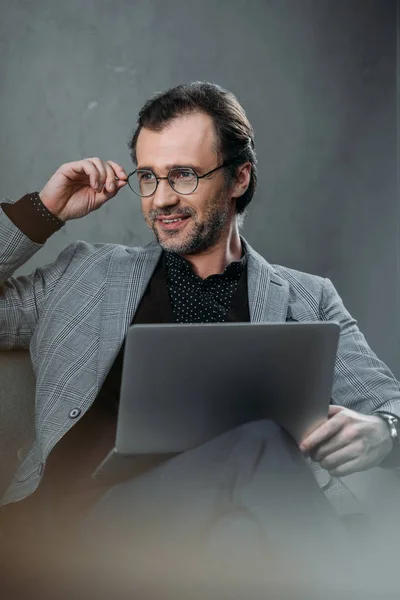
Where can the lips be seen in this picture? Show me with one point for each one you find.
(172, 221)
(168, 218)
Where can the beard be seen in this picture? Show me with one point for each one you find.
(202, 233)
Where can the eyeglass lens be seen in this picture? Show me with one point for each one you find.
(144, 182)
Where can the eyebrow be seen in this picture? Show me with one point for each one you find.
(196, 168)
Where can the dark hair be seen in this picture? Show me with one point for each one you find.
(234, 132)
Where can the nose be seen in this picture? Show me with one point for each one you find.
(165, 195)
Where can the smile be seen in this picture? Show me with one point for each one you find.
(172, 223)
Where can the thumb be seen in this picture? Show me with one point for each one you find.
(105, 195)
(334, 409)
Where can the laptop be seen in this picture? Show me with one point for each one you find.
(183, 385)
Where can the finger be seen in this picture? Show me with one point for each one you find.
(340, 457)
(99, 164)
(347, 468)
(118, 170)
(106, 195)
(321, 434)
(111, 181)
(334, 409)
(113, 185)
(336, 442)
(84, 167)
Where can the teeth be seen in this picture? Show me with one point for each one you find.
(171, 220)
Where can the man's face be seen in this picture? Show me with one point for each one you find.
(204, 215)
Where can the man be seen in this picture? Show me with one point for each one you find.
(196, 175)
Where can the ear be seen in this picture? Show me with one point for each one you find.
(242, 180)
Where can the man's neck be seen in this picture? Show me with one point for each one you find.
(214, 260)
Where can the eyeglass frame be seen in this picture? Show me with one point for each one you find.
(158, 179)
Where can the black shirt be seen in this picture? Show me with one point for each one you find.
(197, 300)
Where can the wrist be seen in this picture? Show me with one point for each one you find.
(49, 205)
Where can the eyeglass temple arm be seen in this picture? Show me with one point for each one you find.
(213, 171)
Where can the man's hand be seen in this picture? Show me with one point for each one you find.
(348, 442)
(80, 187)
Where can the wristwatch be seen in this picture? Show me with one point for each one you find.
(394, 426)
(393, 423)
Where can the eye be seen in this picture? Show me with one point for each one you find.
(146, 176)
(185, 174)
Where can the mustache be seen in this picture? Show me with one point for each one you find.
(167, 211)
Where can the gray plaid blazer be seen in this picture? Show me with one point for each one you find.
(74, 313)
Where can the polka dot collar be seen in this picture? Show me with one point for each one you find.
(176, 262)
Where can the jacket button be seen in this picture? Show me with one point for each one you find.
(75, 412)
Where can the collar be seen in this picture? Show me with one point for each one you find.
(233, 270)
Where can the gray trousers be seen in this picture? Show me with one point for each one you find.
(244, 500)
(240, 516)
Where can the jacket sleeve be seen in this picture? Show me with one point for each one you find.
(22, 297)
(362, 382)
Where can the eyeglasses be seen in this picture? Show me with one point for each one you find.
(183, 180)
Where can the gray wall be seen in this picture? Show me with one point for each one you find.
(318, 80)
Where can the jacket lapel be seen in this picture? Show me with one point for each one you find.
(268, 293)
(129, 273)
